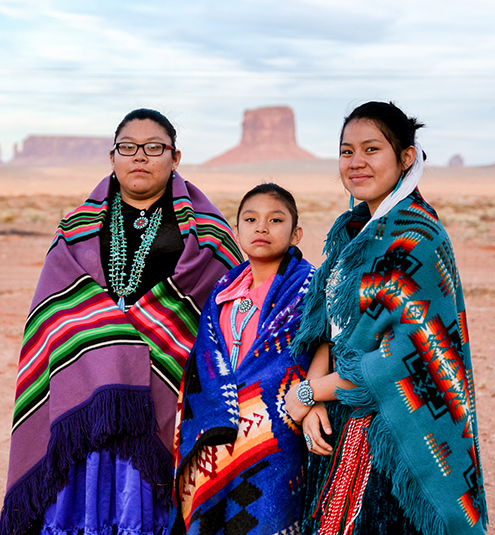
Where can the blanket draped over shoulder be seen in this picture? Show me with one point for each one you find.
(395, 292)
(92, 377)
(239, 456)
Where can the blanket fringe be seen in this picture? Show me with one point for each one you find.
(118, 418)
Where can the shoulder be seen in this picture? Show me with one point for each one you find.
(413, 222)
(226, 280)
(183, 190)
(412, 234)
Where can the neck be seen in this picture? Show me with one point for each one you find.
(262, 271)
(141, 203)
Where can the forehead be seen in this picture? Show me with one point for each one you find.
(359, 130)
(264, 202)
(143, 130)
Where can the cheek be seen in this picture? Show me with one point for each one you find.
(343, 167)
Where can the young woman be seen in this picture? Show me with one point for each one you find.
(240, 457)
(395, 449)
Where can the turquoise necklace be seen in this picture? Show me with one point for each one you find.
(118, 251)
(243, 306)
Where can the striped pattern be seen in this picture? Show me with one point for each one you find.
(167, 321)
(73, 317)
(210, 230)
(60, 330)
(83, 223)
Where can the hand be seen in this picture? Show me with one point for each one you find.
(317, 419)
(294, 408)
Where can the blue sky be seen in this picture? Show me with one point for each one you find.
(77, 67)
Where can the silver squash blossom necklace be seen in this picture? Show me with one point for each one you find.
(118, 251)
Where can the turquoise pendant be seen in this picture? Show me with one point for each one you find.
(121, 304)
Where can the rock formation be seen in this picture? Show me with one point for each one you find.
(267, 134)
(456, 161)
(62, 150)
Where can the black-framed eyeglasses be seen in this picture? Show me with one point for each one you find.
(150, 149)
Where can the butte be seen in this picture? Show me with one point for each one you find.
(267, 134)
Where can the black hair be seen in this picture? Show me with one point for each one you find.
(276, 191)
(142, 114)
(395, 125)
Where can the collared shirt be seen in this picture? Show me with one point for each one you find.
(239, 289)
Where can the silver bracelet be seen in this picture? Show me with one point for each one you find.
(305, 393)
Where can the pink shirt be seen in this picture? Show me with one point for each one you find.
(239, 289)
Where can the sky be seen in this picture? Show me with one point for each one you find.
(77, 67)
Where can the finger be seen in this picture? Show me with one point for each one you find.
(321, 444)
(308, 440)
(325, 422)
(320, 451)
(314, 430)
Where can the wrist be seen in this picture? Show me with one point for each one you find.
(305, 393)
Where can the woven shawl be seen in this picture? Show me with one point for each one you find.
(92, 377)
(239, 456)
(396, 293)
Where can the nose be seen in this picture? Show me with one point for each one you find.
(357, 160)
(261, 228)
(140, 155)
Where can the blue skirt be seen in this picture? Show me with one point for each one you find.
(380, 513)
(105, 496)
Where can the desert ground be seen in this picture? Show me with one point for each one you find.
(33, 199)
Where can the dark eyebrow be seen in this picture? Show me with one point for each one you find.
(249, 211)
(363, 142)
(151, 139)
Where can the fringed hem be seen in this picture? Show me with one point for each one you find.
(387, 459)
(119, 418)
(315, 327)
(110, 529)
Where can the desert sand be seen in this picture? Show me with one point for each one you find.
(33, 199)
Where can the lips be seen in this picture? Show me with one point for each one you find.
(358, 178)
(140, 170)
(260, 241)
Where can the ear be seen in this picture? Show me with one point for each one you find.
(236, 233)
(112, 159)
(297, 235)
(408, 157)
(176, 159)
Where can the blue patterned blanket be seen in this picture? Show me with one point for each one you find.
(240, 458)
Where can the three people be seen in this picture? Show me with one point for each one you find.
(387, 406)
(113, 319)
(240, 457)
(395, 448)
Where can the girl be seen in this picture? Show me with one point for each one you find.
(239, 455)
(402, 455)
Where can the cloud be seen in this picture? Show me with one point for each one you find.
(80, 66)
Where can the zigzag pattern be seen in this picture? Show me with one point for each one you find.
(230, 392)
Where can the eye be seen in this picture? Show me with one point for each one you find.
(345, 152)
(371, 149)
(249, 220)
(276, 220)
